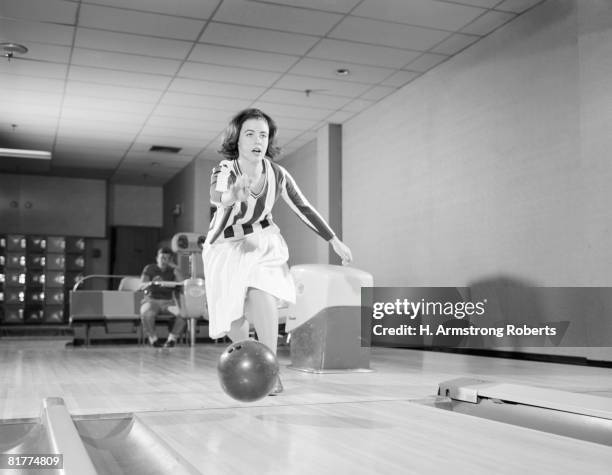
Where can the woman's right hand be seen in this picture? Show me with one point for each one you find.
(237, 191)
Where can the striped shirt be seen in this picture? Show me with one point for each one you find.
(255, 213)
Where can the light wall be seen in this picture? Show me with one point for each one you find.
(494, 164)
(135, 205)
(190, 190)
(302, 242)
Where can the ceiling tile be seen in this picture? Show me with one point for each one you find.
(134, 44)
(187, 8)
(358, 105)
(455, 43)
(340, 117)
(65, 142)
(26, 32)
(287, 124)
(193, 113)
(282, 110)
(257, 39)
(212, 72)
(226, 56)
(56, 11)
(74, 125)
(298, 142)
(119, 78)
(488, 22)
(129, 21)
(378, 92)
(85, 89)
(516, 6)
(203, 101)
(338, 6)
(72, 149)
(125, 62)
(188, 147)
(104, 158)
(34, 69)
(125, 119)
(214, 88)
(426, 13)
(327, 69)
(91, 135)
(203, 127)
(147, 72)
(327, 86)
(314, 99)
(41, 99)
(140, 148)
(179, 133)
(400, 78)
(481, 3)
(361, 53)
(426, 61)
(46, 52)
(387, 34)
(26, 114)
(100, 168)
(287, 136)
(14, 82)
(162, 159)
(277, 17)
(30, 142)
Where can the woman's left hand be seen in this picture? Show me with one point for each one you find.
(342, 250)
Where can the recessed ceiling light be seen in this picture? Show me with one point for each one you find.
(343, 72)
(11, 48)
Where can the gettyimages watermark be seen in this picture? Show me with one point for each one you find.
(488, 317)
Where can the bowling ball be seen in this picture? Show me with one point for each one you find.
(247, 370)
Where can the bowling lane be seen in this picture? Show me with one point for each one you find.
(365, 438)
(120, 379)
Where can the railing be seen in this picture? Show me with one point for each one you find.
(92, 276)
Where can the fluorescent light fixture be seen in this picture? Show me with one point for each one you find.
(20, 153)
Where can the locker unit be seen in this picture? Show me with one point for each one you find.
(36, 274)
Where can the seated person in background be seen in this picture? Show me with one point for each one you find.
(159, 298)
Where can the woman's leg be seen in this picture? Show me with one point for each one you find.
(261, 310)
(239, 330)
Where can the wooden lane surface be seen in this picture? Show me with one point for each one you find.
(326, 423)
(377, 437)
(119, 379)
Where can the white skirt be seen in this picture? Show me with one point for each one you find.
(257, 260)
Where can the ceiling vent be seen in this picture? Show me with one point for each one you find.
(165, 149)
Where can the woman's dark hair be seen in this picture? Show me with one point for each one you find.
(229, 147)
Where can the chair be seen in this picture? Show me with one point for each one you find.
(131, 283)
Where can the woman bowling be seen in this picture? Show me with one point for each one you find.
(245, 256)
